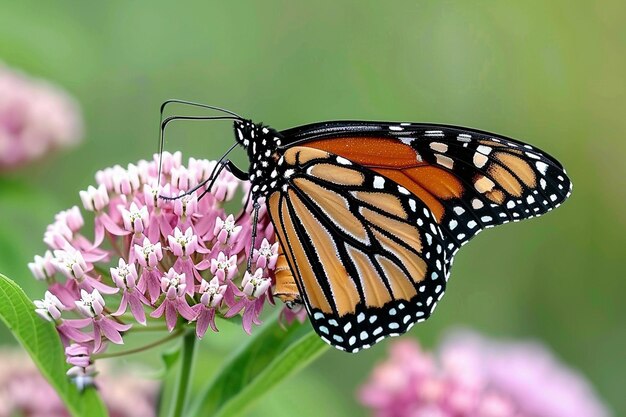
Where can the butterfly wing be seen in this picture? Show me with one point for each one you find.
(367, 256)
(469, 179)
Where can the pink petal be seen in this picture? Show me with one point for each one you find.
(158, 312)
(136, 307)
(184, 309)
(122, 308)
(202, 324)
(171, 315)
(109, 331)
(111, 226)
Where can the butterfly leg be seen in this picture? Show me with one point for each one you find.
(255, 218)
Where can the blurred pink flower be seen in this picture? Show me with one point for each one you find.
(36, 117)
(24, 392)
(154, 261)
(471, 376)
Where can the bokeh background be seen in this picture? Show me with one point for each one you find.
(550, 73)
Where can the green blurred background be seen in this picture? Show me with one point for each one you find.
(550, 73)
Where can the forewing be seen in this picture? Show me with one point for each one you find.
(469, 179)
(368, 256)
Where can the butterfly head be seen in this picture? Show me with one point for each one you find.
(256, 137)
(261, 143)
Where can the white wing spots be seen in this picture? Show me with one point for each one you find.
(543, 183)
(347, 327)
(532, 155)
(360, 318)
(318, 315)
(472, 224)
(542, 167)
(407, 141)
(439, 147)
(453, 224)
(463, 137)
(485, 150)
(289, 173)
(393, 325)
(486, 219)
(510, 204)
(480, 160)
(444, 161)
(434, 133)
(323, 329)
(403, 190)
(412, 204)
(484, 184)
(265, 130)
(379, 182)
(477, 204)
(396, 128)
(553, 197)
(343, 161)
(530, 199)
(459, 210)
(426, 212)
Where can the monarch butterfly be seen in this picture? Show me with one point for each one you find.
(369, 215)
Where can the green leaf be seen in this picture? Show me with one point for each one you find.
(269, 357)
(41, 340)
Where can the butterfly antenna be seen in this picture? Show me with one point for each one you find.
(170, 119)
(163, 123)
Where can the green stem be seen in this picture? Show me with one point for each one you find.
(182, 385)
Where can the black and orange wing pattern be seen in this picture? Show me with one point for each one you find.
(367, 256)
(371, 214)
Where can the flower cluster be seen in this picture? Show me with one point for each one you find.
(153, 260)
(35, 118)
(24, 392)
(473, 376)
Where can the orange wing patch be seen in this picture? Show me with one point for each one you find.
(400, 163)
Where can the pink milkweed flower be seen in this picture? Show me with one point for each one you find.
(49, 308)
(43, 267)
(251, 300)
(267, 255)
(174, 259)
(148, 256)
(71, 263)
(211, 298)
(135, 218)
(473, 376)
(36, 118)
(125, 277)
(173, 286)
(226, 230)
(254, 285)
(91, 306)
(97, 199)
(183, 245)
(224, 267)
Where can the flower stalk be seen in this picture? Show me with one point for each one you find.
(181, 391)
